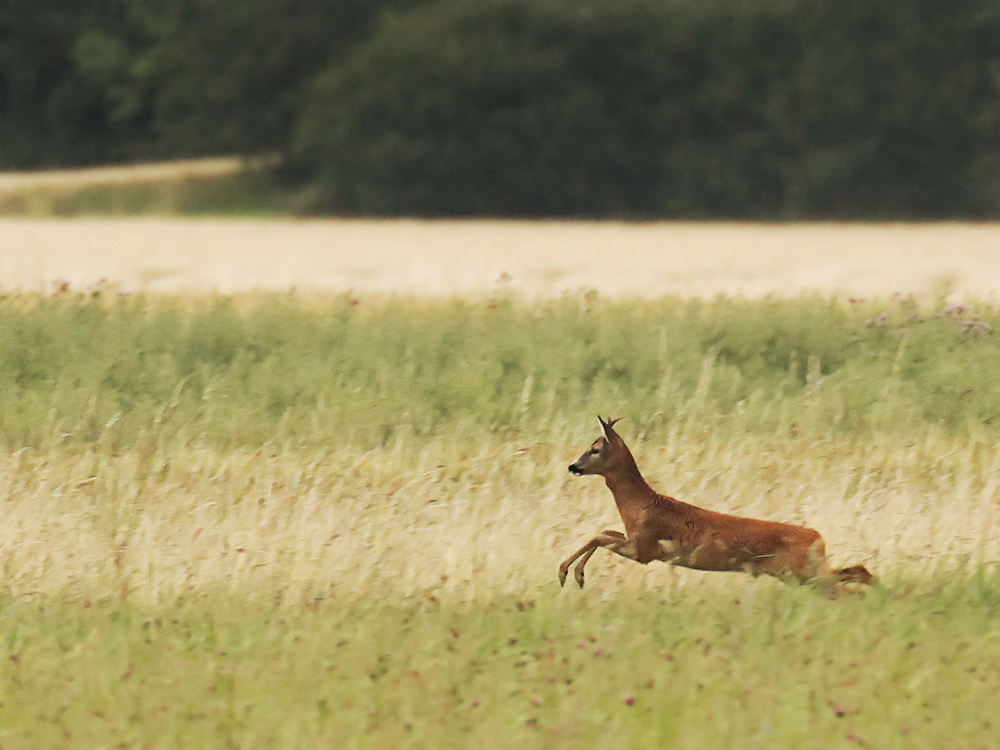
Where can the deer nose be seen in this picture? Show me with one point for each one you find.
(574, 469)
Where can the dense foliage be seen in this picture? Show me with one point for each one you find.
(629, 108)
(105, 80)
(770, 109)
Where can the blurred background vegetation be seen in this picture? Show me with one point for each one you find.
(758, 109)
(101, 368)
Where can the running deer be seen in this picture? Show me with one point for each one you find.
(658, 527)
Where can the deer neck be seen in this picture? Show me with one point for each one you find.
(628, 486)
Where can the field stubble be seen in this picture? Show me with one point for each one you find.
(535, 260)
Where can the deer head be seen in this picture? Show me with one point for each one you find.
(603, 454)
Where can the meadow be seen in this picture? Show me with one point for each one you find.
(304, 520)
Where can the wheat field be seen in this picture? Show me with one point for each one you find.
(533, 260)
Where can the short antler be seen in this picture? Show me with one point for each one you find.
(609, 425)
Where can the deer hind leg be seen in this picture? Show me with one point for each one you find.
(854, 574)
(828, 585)
(827, 578)
(610, 539)
(797, 563)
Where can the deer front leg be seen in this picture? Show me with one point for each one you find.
(625, 548)
(612, 540)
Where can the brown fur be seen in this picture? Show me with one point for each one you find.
(658, 527)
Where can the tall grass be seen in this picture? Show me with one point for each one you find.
(266, 369)
(459, 519)
(282, 521)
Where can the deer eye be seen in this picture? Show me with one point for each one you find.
(594, 451)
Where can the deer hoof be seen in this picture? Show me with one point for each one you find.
(579, 578)
(562, 577)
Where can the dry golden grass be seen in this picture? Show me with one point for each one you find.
(180, 169)
(462, 520)
(531, 259)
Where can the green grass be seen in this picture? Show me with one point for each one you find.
(266, 368)
(285, 521)
(771, 667)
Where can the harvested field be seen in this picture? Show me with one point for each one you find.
(532, 260)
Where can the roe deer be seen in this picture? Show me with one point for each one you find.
(658, 527)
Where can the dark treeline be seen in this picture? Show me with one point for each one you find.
(759, 109)
(93, 81)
